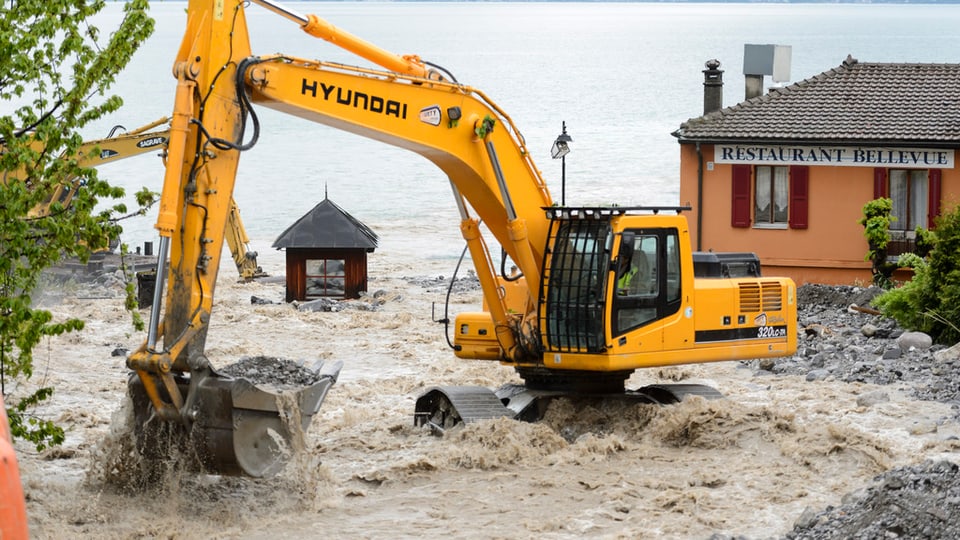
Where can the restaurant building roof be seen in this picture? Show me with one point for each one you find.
(913, 104)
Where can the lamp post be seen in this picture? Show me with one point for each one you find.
(560, 150)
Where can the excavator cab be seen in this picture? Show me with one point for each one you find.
(620, 292)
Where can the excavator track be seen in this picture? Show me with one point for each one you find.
(444, 407)
(668, 394)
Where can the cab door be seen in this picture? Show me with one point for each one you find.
(646, 287)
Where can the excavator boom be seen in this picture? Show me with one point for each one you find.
(98, 152)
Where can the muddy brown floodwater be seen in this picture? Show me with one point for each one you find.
(747, 465)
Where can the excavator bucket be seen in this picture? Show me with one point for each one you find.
(236, 426)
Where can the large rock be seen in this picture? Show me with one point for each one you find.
(914, 340)
(948, 355)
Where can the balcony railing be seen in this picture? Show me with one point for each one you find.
(901, 242)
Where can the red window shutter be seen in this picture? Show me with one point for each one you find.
(799, 196)
(880, 183)
(740, 211)
(933, 203)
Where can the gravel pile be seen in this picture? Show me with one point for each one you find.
(911, 502)
(272, 371)
(851, 344)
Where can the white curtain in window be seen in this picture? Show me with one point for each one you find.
(918, 199)
(781, 183)
(762, 198)
(900, 195)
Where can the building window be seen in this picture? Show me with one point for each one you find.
(915, 194)
(324, 277)
(771, 200)
(768, 196)
(908, 190)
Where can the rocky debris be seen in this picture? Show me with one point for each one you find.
(922, 501)
(838, 339)
(272, 371)
(441, 284)
(914, 340)
(855, 345)
(948, 355)
(104, 276)
(55, 286)
(366, 302)
(320, 304)
(836, 295)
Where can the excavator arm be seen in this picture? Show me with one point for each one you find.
(454, 126)
(213, 121)
(100, 151)
(239, 243)
(134, 143)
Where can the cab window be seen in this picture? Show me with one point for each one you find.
(647, 280)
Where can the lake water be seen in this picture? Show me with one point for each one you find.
(623, 76)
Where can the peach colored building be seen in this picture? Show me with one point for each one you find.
(786, 174)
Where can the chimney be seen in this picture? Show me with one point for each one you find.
(760, 60)
(712, 86)
(753, 86)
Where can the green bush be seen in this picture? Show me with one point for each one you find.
(876, 222)
(930, 302)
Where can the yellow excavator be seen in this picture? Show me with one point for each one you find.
(134, 143)
(601, 291)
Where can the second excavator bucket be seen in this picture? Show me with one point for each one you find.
(233, 426)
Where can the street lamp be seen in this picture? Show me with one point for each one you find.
(560, 150)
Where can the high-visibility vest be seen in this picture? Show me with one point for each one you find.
(626, 278)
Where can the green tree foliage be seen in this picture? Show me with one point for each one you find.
(55, 70)
(876, 228)
(930, 302)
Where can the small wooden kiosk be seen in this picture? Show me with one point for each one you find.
(326, 254)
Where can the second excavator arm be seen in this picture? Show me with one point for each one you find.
(116, 147)
(239, 243)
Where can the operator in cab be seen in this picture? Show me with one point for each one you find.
(634, 274)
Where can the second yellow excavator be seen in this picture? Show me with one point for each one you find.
(602, 291)
(150, 137)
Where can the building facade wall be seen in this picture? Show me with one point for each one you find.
(352, 280)
(830, 248)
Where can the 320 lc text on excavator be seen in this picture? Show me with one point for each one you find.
(601, 291)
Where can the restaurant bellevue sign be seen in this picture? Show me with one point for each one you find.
(839, 156)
